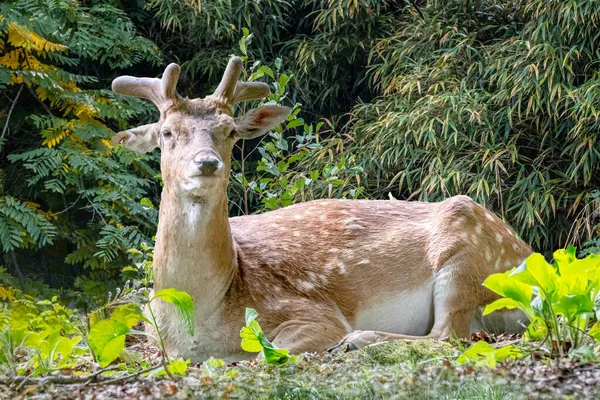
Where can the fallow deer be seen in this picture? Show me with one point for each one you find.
(319, 273)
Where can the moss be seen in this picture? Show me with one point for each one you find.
(408, 351)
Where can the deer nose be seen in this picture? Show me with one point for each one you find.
(207, 166)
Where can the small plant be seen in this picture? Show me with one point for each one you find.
(107, 336)
(38, 337)
(281, 176)
(560, 299)
(483, 353)
(254, 341)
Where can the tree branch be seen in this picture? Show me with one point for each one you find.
(12, 107)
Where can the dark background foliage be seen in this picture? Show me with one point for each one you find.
(418, 99)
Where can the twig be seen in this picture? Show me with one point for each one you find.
(126, 377)
(98, 373)
(12, 106)
(85, 380)
(61, 378)
(40, 101)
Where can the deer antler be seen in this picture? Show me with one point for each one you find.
(162, 92)
(230, 91)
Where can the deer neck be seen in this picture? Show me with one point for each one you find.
(194, 249)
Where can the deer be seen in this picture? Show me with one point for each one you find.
(322, 273)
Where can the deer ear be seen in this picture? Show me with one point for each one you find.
(142, 139)
(260, 120)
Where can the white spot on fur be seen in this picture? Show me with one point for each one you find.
(334, 250)
(478, 229)
(488, 255)
(509, 232)
(502, 251)
(322, 217)
(489, 216)
(303, 286)
(515, 246)
(296, 233)
(298, 217)
(508, 264)
(499, 238)
(365, 261)
(497, 265)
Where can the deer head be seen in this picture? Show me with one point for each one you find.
(196, 136)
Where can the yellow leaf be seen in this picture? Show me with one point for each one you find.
(20, 36)
(11, 59)
(55, 140)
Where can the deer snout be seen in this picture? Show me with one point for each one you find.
(208, 166)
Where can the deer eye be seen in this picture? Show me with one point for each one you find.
(166, 133)
(232, 134)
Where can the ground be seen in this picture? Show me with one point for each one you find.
(396, 370)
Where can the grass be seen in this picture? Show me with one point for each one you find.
(396, 370)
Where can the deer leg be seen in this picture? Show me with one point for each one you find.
(310, 336)
(455, 324)
(457, 294)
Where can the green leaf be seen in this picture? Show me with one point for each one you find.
(146, 202)
(251, 315)
(505, 284)
(184, 304)
(107, 340)
(265, 69)
(179, 367)
(482, 353)
(128, 314)
(538, 272)
(254, 341)
(250, 342)
(573, 305)
(500, 304)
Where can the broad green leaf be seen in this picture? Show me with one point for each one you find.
(506, 285)
(66, 345)
(574, 277)
(184, 304)
(573, 305)
(250, 342)
(538, 272)
(565, 256)
(273, 354)
(500, 304)
(128, 314)
(107, 340)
